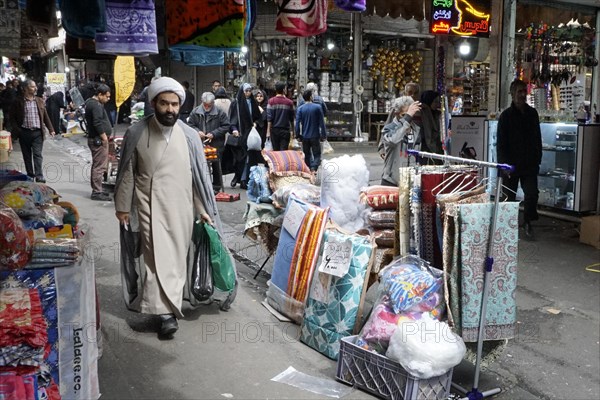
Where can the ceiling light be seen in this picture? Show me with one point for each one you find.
(244, 49)
(330, 46)
(464, 48)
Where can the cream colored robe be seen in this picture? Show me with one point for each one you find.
(161, 187)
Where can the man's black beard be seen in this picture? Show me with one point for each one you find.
(167, 119)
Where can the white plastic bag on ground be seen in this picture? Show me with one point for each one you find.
(426, 347)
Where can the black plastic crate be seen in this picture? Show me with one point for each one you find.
(385, 378)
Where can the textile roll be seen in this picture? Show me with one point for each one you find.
(352, 5)
(130, 29)
(301, 17)
(207, 23)
(124, 78)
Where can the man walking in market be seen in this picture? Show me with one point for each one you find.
(99, 129)
(212, 125)
(28, 115)
(280, 118)
(520, 145)
(310, 125)
(161, 187)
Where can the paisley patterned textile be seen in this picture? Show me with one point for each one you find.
(501, 314)
(130, 29)
(207, 23)
(333, 303)
(301, 17)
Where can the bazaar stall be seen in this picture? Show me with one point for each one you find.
(48, 308)
(333, 238)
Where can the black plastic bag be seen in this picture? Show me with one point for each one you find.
(130, 251)
(202, 281)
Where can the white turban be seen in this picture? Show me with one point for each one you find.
(166, 84)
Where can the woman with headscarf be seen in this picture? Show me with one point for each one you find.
(398, 136)
(254, 156)
(430, 119)
(222, 100)
(243, 114)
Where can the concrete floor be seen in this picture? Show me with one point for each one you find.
(556, 354)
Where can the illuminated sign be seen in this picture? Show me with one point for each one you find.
(460, 17)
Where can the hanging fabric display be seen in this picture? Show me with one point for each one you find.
(130, 28)
(199, 58)
(205, 23)
(352, 5)
(124, 72)
(10, 30)
(301, 17)
(83, 19)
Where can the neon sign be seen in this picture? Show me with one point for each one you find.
(460, 17)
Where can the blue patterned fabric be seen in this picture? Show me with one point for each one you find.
(326, 323)
(130, 29)
(501, 313)
(44, 281)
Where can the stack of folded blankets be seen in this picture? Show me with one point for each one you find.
(54, 253)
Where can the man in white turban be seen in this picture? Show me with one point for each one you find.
(161, 188)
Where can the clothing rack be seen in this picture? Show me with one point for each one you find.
(475, 394)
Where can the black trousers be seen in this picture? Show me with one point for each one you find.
(312, 152)
(32, 143)
(529, 184)
(280, 138)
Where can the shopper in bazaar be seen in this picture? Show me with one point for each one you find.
(311, 130)
(212, 125)
(243, 114)
(312, 86)
(99, 129)
(280, 118)
(28, 115)
(431, 141)
(396, 137)
(161, 186)
(520, 145)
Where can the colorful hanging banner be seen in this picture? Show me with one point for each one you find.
(460, 17)
(124, 78)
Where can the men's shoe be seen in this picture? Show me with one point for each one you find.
(40, 179)
(169, 325)
(529, 231)
(101, 196)
(234, 182)
(243, 185)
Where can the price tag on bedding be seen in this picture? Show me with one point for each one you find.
(293, 218)
(336, 257)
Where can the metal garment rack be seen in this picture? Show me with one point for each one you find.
(475, 394)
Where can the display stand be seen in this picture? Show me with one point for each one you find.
(475, 394)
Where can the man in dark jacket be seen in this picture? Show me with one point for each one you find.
(212, 124)
(99, 129)
(188, 104)
(311, 130)
(520, 144)
(27, 117)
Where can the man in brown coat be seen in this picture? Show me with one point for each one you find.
(28, 115)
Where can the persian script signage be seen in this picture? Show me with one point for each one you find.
(460, 17)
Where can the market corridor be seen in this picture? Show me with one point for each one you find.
(235, 354)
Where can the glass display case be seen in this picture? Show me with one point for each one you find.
(339, 121)
(568, 177)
